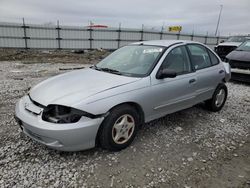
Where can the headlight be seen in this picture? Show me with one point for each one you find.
(62, 114)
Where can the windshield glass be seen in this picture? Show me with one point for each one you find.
(237, 39)
(245, 46)
(131, 60)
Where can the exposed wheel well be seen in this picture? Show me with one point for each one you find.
(136, 106)
(222, 83)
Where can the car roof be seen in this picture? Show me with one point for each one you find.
(165, 43)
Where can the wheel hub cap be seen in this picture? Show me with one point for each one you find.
(123, 129)
(220, 98)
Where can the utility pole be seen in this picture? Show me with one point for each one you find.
(218, 23)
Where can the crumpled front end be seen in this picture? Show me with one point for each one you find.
(61, 136)
(222, 51)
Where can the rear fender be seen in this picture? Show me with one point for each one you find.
(227, 71)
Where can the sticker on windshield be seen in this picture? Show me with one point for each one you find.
(153, 50)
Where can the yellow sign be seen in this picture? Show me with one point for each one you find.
(174, 28)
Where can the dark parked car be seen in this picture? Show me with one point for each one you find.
(228, 46)
(239, 60)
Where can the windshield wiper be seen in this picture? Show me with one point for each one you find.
(110, 70)
(94, 67)
(106, 69)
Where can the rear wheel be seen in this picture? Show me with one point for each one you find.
(218, 100)
(119, 128)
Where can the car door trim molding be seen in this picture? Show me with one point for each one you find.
(174, 102)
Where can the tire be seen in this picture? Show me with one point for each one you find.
(215, 105)
(122, 119)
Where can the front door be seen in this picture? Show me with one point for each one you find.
(173, 94)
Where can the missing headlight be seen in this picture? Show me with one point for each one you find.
(62, 114)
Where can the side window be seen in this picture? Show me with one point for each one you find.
(199, 56)
(213, 58)
(178, 60)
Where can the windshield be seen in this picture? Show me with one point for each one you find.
(131, 60)
(237, 39)
(245, 46)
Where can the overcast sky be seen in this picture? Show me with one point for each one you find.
(198, 15)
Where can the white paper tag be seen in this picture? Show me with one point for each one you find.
(153, 50)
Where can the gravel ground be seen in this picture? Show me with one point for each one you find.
(52, 56)
(191, 148)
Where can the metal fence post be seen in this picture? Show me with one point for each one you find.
(142, 32)
(119, 36)
(206, 38)
(90, 38)
(25, 34)
(178, 35)
(217, 42)
(161, 33)
(192, 36)
(58, 35)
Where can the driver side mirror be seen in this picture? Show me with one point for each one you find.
(166, 73)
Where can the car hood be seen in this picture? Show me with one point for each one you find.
(79, 84)
(239, 55)
(230, 44)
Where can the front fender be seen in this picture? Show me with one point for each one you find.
(100, 104)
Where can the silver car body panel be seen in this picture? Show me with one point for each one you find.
(227, 71)
(97, 92)
(68, 89)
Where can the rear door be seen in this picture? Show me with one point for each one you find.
(208, 71)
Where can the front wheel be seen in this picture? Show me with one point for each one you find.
(119, 128)
(218, 100)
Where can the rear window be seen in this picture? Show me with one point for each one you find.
(199, 56)
(214, 59)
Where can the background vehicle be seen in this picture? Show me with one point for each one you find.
(231, 44)
(109, 101)
(239, 60)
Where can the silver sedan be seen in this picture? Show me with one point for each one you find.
(108, 102)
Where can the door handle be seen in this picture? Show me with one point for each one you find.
(192, 81)
(221, 71)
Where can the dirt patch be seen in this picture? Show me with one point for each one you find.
(31, 56)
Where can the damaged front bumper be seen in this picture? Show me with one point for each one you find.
(66, 137)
